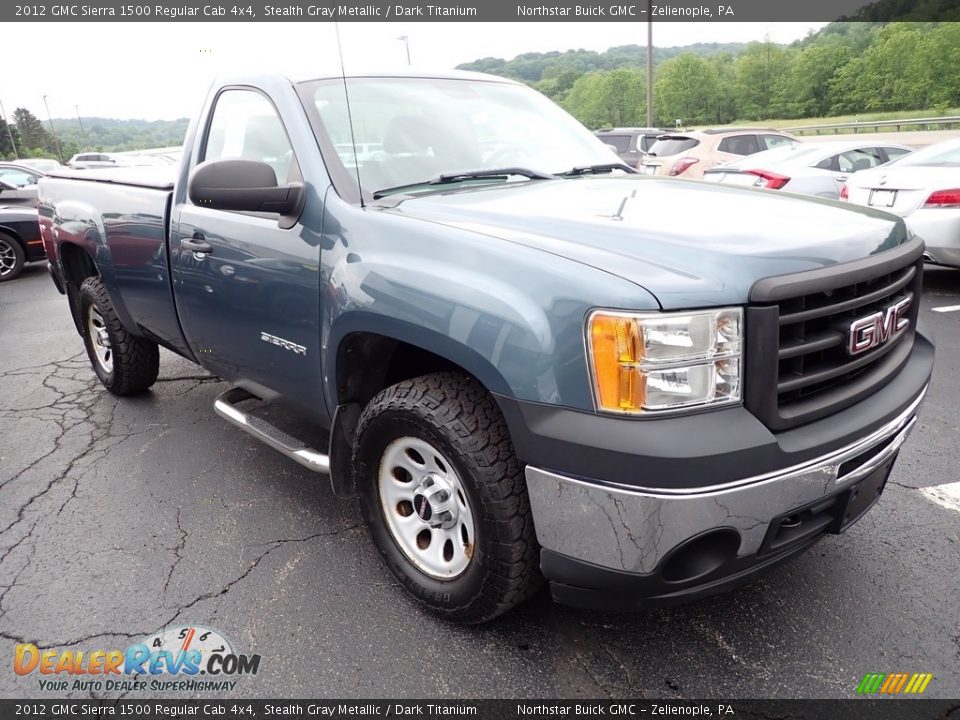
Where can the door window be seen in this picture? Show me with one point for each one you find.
(620, 142)
(17, 177)
(860, 159)
(772, 141)
(739, 145)
(246, 125)
(893, 153)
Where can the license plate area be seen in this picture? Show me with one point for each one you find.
(832, 514)
(650, 169)
(882, 198)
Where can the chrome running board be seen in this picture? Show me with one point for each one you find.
(296, 450)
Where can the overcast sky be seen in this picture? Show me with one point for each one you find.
(162, 70)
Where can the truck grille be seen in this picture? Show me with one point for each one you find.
(799, 365)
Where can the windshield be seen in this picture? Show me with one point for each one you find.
(411, 130)
(945, 154)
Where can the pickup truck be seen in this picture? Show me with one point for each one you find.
(528, 361)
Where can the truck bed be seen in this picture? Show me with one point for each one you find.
(157, 177)
(121, 217)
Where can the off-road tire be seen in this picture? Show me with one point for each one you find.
(9, 245)
(458, 417)
(136, 360)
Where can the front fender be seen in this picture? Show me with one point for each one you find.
(510, 315)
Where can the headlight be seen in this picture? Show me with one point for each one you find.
(644, 362)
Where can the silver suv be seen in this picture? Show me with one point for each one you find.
(83, 161)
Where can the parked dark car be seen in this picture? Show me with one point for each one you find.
(18, 184)
(631, 143)
(20, 241)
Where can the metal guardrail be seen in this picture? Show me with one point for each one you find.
(924, 124)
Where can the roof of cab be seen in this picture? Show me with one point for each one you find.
(296, 79)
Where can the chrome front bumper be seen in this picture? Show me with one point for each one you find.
(633, 529)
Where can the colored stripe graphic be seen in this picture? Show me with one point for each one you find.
(870, 683)
(894, 683)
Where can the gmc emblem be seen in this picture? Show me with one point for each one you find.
(874, 330)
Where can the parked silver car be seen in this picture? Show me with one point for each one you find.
(809, 168)
(18, 184)
(924, 189)
(44, 165)
(84, 161)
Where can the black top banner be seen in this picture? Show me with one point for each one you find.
(482, 11)
(485, 709)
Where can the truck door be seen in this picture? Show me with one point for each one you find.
(248, 291)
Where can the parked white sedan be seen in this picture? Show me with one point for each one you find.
(924, 189)
(809, 168)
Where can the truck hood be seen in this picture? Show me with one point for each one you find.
(689, 243)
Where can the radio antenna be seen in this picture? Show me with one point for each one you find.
(346, 96)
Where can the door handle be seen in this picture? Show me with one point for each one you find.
(196, 244)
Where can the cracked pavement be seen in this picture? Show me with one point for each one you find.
(123, 517)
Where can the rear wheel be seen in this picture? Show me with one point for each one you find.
(445, 497)
(12, 258)
(126, 364)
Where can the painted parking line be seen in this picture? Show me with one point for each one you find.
(946, 308)
(947, 495)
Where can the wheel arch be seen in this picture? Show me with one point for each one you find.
(369, 359)
(13, 235)
(367, 356)
(77, 265)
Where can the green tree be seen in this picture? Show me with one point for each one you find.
(893, 73)
(760, 69)
(725, 107)
(807, 91)
(31, 130)
(616, 98)
(942, 56)
(687, 88)
(623, 97)
(7, 151)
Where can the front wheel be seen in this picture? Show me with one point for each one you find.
(12, 258)
(445, 498)
(125, 363)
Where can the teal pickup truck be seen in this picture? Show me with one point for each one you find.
(528, 361)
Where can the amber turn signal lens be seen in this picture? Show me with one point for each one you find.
(616, 344)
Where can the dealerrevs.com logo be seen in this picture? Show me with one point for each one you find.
(189, 658)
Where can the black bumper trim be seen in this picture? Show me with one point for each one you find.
(584, 585)
(705, 448)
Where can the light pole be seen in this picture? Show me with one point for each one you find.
(80, 120)
(52, 131)
(650, 63)
(6, 120)
(406, 41)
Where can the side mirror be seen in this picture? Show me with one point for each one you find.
(245, 186)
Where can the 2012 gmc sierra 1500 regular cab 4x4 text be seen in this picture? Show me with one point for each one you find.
(531, 361)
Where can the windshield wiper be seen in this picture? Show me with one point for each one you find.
(449, 178)
(596, 169)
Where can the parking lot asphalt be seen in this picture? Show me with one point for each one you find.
(121, 517)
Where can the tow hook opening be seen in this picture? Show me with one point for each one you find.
(700, 556)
